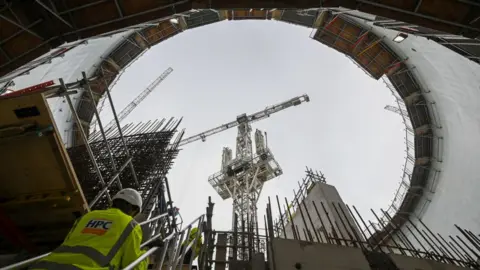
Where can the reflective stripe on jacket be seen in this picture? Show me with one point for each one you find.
(101, 239)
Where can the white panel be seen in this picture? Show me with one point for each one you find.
(83, 58)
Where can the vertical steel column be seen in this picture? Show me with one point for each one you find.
(173, 251)
(180, 249)
(352, 227)
(110, 100)
(208, 235)
(249, 240)
(84, 137)
(409, 244)
(459, 254)
(423, 236)
(173, 226)
(441, 247)
(295, 236)
(469, 238)
(235, 236)
(281, 219)
(465, 253)
(303, 218)
(358, 226)
(242, 234)
(311, 222)
(468, 247)
(334, 232)
(474, 237)
(388, 247)
(270, 233)
(348, 237)
(258, 235)
(164, 252)
(108, 184)
(109, 150)
(194, 244)
(267, 241)
(454, 251)
(327, 238)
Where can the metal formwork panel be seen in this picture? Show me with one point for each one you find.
(301, 17)
(201, 17)
(41, 196)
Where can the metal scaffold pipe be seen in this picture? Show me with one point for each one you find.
(132, 105)
(109, 150)
(122, 137)
(85, 140)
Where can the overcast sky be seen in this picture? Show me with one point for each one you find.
(234, 67)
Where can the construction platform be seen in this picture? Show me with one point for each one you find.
(40, 194)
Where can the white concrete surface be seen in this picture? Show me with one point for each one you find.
(324, 196)
(83, 58)
(452, 83)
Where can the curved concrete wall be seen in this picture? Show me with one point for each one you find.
(83, 58)
(451, 84)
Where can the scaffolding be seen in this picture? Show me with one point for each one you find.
(150, 152)
(146, 148)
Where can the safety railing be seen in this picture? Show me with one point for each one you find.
(408, 166)
(25, 263)
(173, 245)
(30, 261)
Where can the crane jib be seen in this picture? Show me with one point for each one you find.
(247, 118)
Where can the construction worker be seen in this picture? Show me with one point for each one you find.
(102, 239)
(194, 250)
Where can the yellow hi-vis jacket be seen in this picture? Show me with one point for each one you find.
(101, 239)
(198, 247)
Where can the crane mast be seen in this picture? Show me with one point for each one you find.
(242, 178)
(132, 105)
(396, 110)
(257, 116)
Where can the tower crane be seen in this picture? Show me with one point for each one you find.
(244, 118)
(242, 176)
(396, 110)
(132, 105)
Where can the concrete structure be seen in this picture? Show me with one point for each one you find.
(334, 221)
(293, 254)
(448, 83)
(404, 262)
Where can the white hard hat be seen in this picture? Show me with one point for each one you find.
(131, 196)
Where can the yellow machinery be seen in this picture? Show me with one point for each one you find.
(40, 196)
